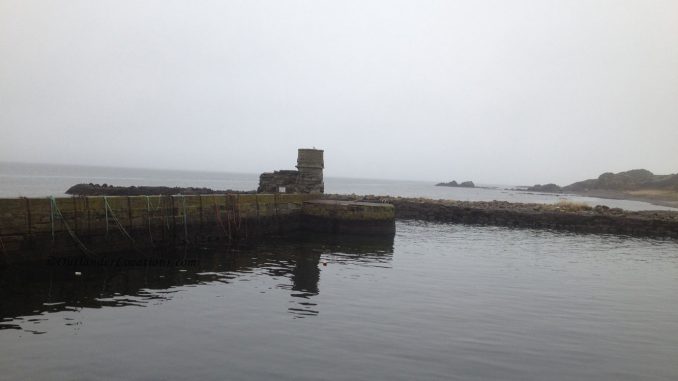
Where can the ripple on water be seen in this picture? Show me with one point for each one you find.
(441, 301)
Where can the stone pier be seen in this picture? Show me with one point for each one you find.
(38, 228)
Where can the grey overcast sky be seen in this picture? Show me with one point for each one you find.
(510, 92)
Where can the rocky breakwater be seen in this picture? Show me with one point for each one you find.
(112, 190)
(563, 216)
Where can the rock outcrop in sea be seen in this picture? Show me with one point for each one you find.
(453, 183)
(551, 188)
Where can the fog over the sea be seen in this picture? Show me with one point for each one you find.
(503, 92)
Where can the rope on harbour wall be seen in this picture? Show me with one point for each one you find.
(167, 213)
(236, 213)
(52, 203)
(148, 217)
(217, 214)
(120, 226)
(106, 212)
(183, 204)
(228, 221)
(56, 212)
(165, 219)
(237, 218)
(115, 219)
(183, 201)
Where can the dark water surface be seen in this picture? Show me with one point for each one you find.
(439, 302)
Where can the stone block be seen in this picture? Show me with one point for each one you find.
(348, 217)
(41, 211)
(13, 216)
(266, 205)
(247, 206)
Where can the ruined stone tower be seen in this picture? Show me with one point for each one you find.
(310, 166)
(308, 178)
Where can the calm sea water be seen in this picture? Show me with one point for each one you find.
(41, 180)
(438, 301)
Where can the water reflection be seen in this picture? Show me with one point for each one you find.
(305, 278)
(29, 294)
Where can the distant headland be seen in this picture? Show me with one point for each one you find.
(636, 184)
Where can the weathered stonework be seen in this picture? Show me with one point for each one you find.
(348, 217)
(39, 228)
(308, 178)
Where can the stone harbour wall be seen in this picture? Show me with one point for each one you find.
(343, 217)
(37, 228)
(41, 228)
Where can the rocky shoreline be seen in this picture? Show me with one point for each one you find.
(636, 185)
(662, 200)
(565, 216)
